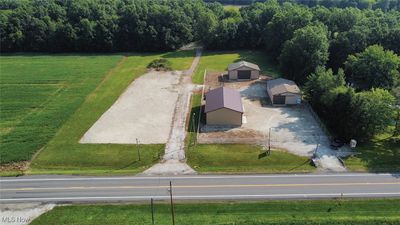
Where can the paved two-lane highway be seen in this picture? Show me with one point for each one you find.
(243, 187)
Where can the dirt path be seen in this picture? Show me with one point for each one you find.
(173, 162)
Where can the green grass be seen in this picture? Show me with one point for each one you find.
(63, 153)
(38, 93)
(233, 7)
(191, 136)
(242, 158)
(381, 154)
(218, 61)
(327, 212)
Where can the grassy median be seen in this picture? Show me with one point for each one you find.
(310, 212)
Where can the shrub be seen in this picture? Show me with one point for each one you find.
(160, 64)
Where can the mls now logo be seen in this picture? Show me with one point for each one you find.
(14, 219)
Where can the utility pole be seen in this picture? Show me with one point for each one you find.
(194, 126)
(172, 203)
(152, 212)
(269, 139)
(138, 148)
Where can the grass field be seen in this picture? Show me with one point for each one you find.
(38, 93)
(382, 154)
(63, 154)
(243, 158)
(311, 212)
(218, 61)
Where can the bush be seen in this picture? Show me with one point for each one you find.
(160, 65)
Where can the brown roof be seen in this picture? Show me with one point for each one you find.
(281, 85)
(239, 64)
(223, 98)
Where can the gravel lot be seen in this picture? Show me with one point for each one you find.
(292, 128)
(143, 111)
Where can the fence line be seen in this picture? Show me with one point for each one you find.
(318, 120)
(201, 106)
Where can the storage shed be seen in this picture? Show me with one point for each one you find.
(243, 71)
(223, 107)
(283, 92)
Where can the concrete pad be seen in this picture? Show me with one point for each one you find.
(169, 167)
(143, 111)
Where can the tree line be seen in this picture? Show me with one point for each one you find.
(98, 26)
(347, 58)
(384, 5)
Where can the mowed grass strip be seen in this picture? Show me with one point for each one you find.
(327, 212)
(243, 158)
(218, 61)
(39, 93)
(64, 155)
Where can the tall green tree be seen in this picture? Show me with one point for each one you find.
(282, 26)
(373, 68)
(320, 83)
(302, 54)
(373, 112)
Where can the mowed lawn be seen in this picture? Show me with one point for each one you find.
(381, 154)
(92, 97)
(310, 212)
(38, 93)
(243, 158)
(218, 61)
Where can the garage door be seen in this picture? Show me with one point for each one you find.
(244, 74)
(279, 100)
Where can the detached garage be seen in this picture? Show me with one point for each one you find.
(243, 71)
(283, 92)
(223, 107)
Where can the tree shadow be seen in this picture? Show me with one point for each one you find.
(194, 118)
(179, 54)
(268, 65)
(381, 155)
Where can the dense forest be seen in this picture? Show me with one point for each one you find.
(346, 58)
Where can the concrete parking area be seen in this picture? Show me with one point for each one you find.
(144, 111)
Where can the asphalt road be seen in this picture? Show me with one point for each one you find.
(224, 187)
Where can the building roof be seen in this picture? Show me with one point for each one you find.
(239, 64)
(281, 85)
(223, 98)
